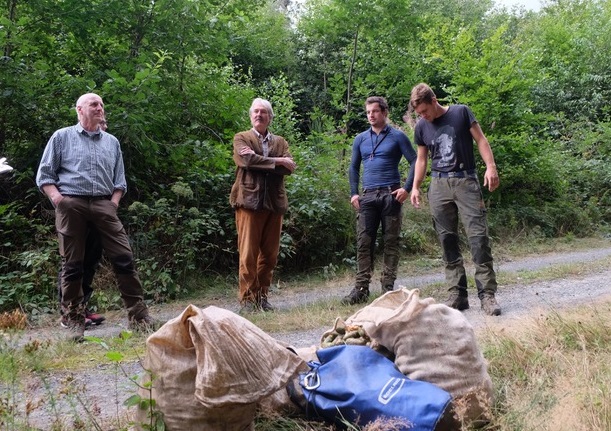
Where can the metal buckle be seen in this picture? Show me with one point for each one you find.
(311, 381)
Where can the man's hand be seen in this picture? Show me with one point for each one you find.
(245, 150)
(415, 197)
(354, 201)
(491, 178)
(400, 195)
(287, 162)
(52, 193)
(56, 199)
(116, 197)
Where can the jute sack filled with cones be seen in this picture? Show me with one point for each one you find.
(210, 369)
(433, 343)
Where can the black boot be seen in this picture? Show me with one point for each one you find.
(357, 295)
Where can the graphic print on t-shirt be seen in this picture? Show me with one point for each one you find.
(445, 147)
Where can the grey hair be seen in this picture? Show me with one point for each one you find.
(265, 103)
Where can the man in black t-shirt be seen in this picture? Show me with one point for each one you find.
(447, 135)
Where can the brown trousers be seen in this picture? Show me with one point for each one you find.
(258, 246)
(72, 217)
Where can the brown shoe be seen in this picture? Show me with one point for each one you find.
(143, 324)
(457, 301)
(75, 329)
(64, 322)
(490, 306)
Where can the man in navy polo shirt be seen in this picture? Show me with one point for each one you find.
(379, 149)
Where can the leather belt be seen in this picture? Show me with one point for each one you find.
(456, 174)
(90, 198)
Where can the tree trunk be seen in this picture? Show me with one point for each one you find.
(12, 10)
(350, 73)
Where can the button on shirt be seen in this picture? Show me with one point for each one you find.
(264, 141)
(82, 163)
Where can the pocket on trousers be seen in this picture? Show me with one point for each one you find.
(64, 203)
(107, 212)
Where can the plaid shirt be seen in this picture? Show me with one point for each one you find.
(82, 163)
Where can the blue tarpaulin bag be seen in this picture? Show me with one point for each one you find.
(359, 385)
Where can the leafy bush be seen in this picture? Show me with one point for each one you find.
(30, 285)
(172, 238)
(590, 180)
(320, 221)
(28, 263)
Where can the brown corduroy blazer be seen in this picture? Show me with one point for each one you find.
(259, 183)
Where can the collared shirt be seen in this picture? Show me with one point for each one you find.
(380, 155)
(82, 163)
(265, 140)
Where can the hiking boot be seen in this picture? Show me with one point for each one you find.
(95, 318)
(457, 301)
(64, 322)
(386, 289)
(265, 305)
(357, 295)
(490, 306)
(249, 307)
(75, 329)
(143, 324)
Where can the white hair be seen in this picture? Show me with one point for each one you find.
(265, 103)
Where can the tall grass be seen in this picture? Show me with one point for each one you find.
(553, 372)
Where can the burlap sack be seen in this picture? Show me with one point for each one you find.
(433, 343)
(307, 353)
(211, 368)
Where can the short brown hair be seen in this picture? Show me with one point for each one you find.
(379, 100)
(421, 93)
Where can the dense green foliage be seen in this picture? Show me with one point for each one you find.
(177, 78)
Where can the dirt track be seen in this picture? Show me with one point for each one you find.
(106, 389)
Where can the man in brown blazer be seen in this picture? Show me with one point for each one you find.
(259, 199)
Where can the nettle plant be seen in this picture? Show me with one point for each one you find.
(143, 398)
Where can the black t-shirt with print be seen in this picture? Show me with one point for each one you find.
(448, 139)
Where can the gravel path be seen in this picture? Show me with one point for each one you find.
(516, 300)
(105, 389)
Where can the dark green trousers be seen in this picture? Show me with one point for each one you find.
(449, 200)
